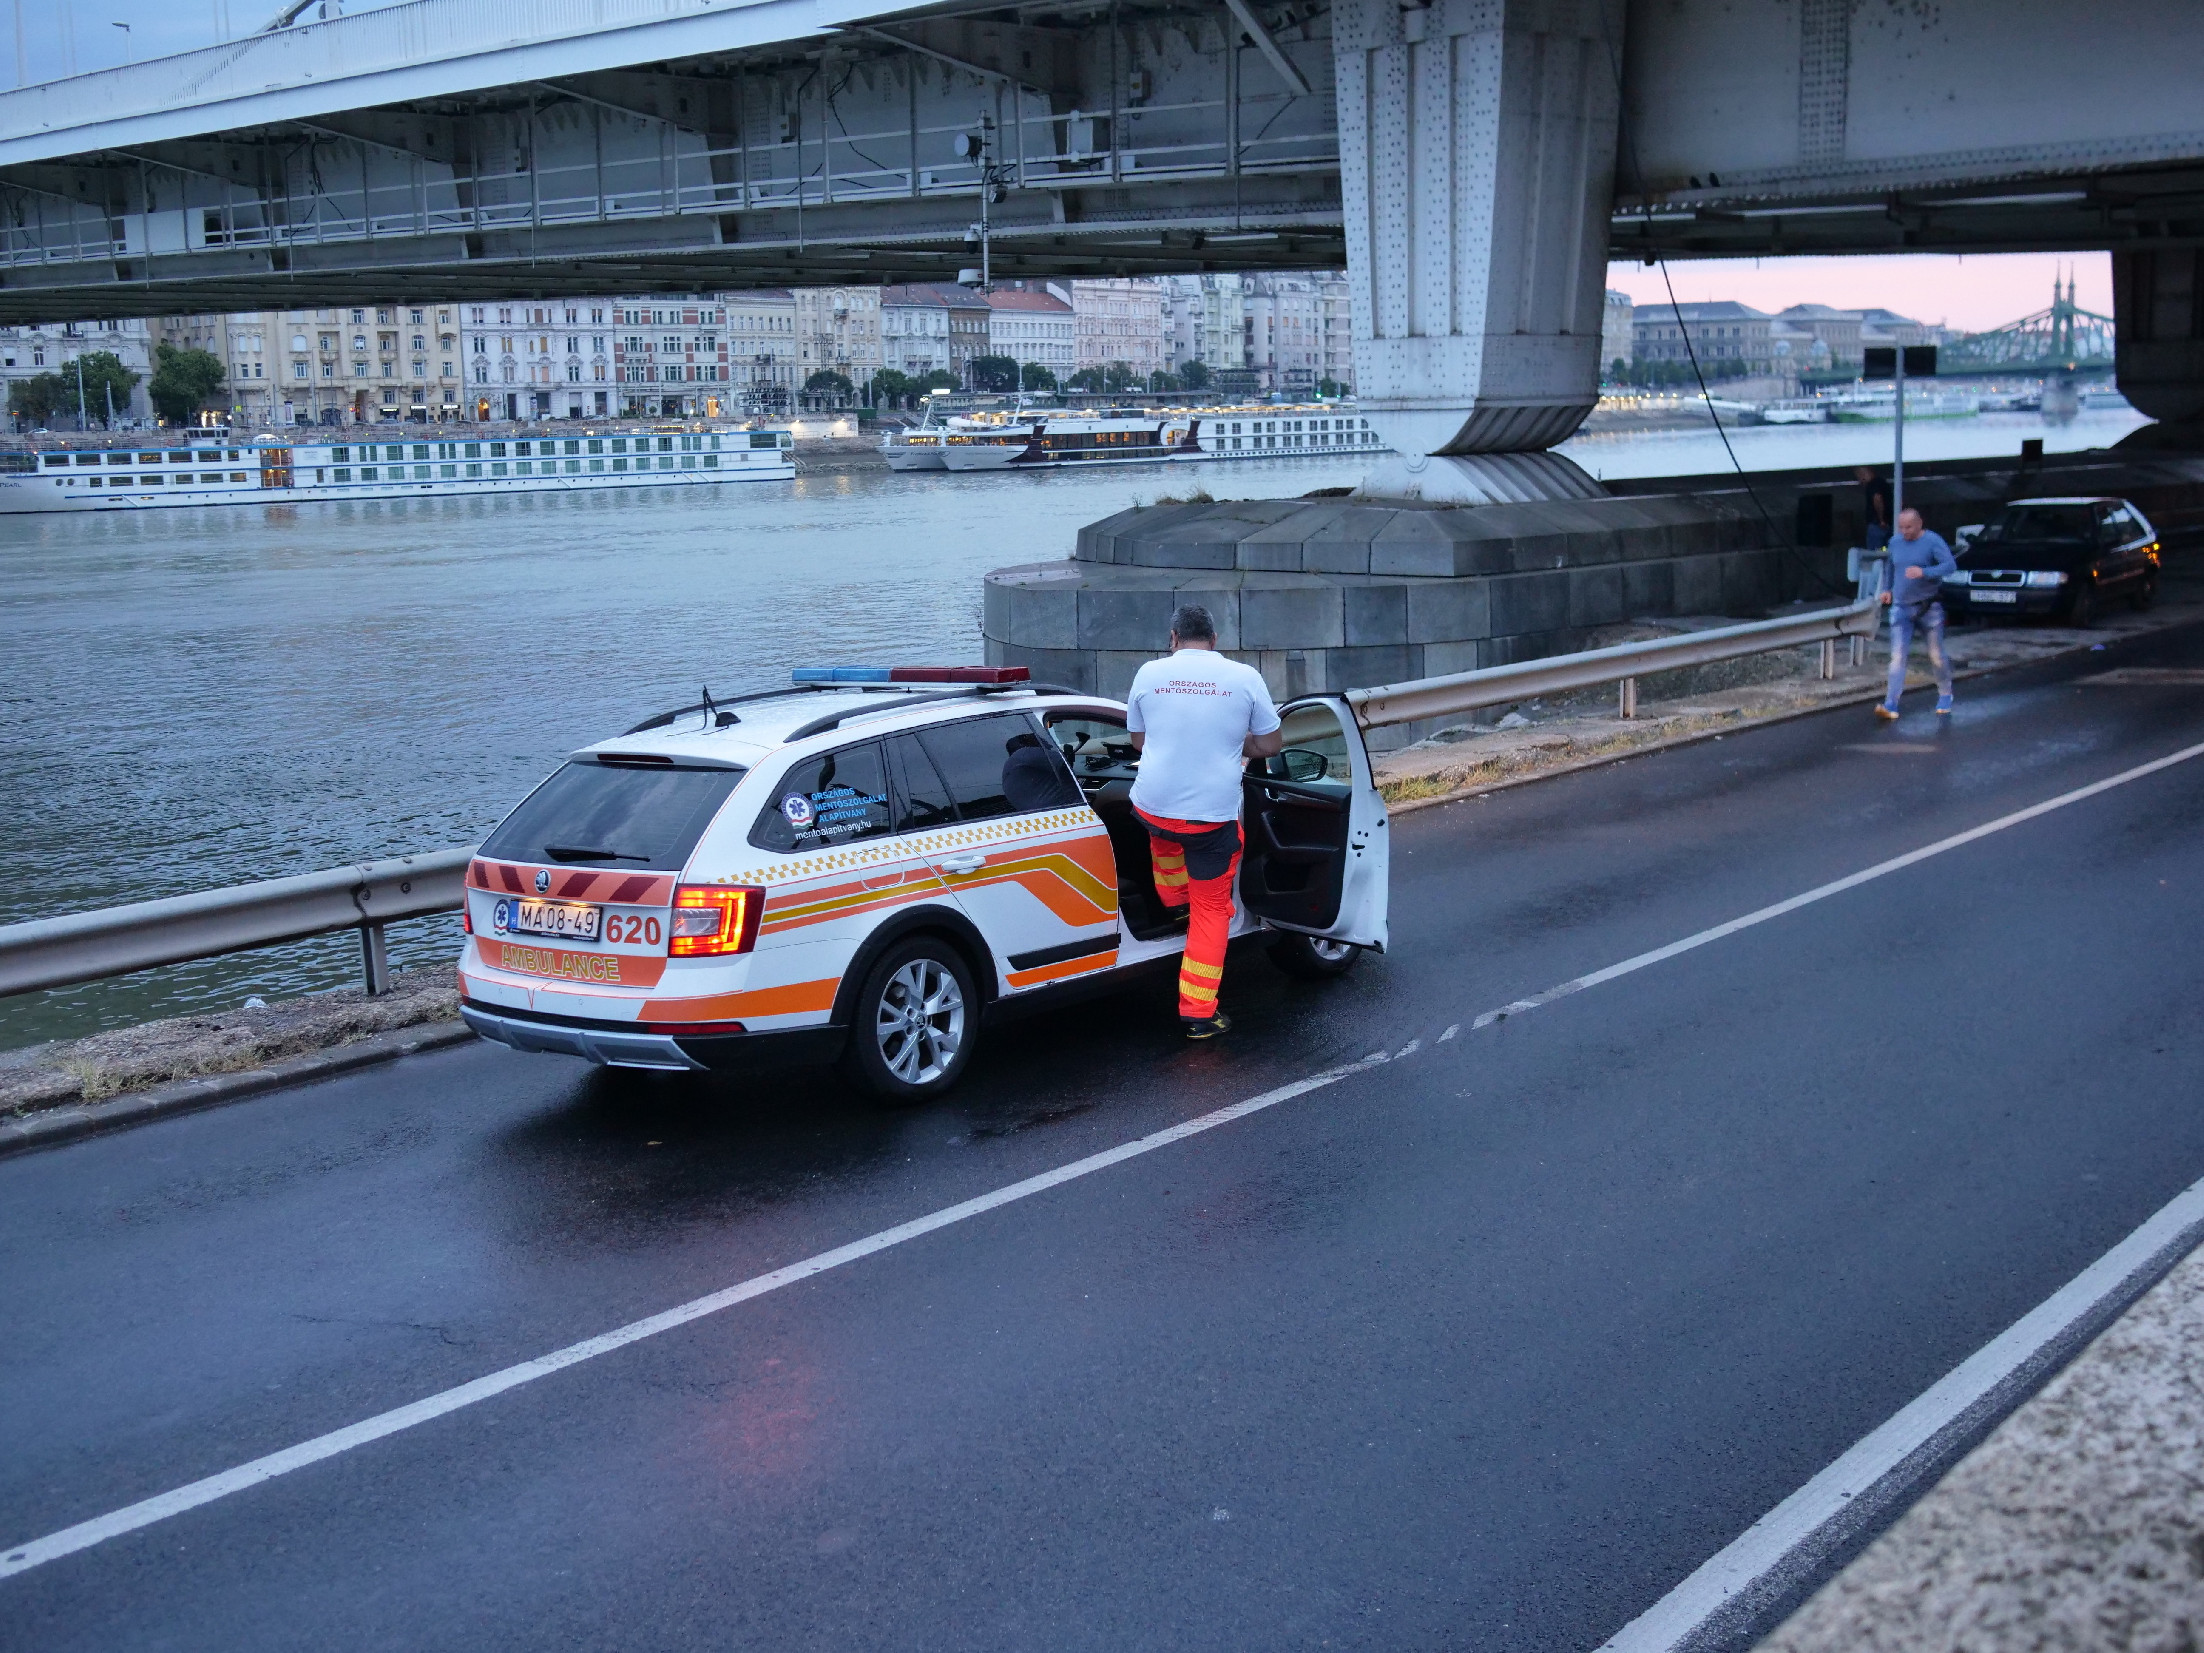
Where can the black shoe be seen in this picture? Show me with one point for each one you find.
(1205, 1027)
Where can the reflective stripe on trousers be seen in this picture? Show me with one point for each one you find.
(1209, 922)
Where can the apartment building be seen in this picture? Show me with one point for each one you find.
(1034, 325)
(764, 357)
(933, 325)
(1120, 320)
(671, 356)
(1283, 318)
(252, 378)
(838, 331)
(1208, 322)
(48, 347)
(1616, 341)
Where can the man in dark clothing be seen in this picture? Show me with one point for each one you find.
(1920, 560)
(1874, 508)
(1034, 777)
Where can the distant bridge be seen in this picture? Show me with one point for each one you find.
(2063, 339)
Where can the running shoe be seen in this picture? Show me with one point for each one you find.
(1886, 714)
(1943, 706)
(1205, 1027)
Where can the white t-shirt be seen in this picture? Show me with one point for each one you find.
(1197, 708)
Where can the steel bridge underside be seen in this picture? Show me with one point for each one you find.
(1135, 137)
(1131, 140)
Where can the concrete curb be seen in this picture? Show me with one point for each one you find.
(1858, 697)
(53, 1126)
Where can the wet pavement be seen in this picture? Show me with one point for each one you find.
(1484, 1346)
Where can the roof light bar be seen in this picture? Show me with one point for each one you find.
(910, 674)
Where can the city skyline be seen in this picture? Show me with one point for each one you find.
(1967, 295)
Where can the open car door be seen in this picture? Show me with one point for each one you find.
(1317, 856)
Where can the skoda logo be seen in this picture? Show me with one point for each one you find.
(543, 879)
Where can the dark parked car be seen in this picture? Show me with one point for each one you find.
(2064, 557)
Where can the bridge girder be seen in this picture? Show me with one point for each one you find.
(716, 142)
(1130, 143)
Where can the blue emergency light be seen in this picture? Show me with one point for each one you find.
(983, 675)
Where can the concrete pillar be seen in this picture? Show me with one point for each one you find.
(2158, 306)
(1477, 153)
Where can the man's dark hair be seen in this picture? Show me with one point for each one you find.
(1192, 623)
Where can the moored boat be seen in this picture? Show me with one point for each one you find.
(268, 470)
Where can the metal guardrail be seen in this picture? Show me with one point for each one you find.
(1625, 663)
(78, 947)
(57, 952)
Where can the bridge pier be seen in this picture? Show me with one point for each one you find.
(1477, 142)
(2158, 306)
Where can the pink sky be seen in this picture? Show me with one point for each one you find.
(1970, 294)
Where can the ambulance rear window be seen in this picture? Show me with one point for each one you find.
(646, 817)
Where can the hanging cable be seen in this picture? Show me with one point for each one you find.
(1787, 542)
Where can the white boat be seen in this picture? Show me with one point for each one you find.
(1277, 431)
(1875, 406)
(917, 448)
(1025, 440)
(268, 470)
(1798, 410)
(1022, 438)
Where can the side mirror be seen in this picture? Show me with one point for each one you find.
(1301, 764)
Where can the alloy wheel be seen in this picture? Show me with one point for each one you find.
(919, 1024)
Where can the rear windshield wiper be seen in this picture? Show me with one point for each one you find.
(587, 852)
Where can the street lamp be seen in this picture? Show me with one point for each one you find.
(994, 178)
(128, 41)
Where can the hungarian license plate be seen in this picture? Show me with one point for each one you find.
(1982, 596)
(568, 920)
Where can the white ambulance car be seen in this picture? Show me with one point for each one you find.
(867, 866)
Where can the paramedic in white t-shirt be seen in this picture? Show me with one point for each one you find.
(1195, 719)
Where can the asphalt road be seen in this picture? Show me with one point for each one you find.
(1483, 1347)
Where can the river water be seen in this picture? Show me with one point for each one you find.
(192, 698)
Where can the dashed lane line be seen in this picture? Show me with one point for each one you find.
(145, 1513)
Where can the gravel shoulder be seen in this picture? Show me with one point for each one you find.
(2078, 1525)
(71, 1073)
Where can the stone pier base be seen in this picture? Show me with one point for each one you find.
(1333, 594)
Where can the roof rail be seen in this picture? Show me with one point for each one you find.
(849, 714)
(664, 718)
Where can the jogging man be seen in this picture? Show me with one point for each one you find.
(1195, 718)
(1919, 560)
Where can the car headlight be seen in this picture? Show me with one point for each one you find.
(2046, 577)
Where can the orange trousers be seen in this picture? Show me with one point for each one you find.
(1195, 863)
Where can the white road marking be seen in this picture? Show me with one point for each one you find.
(1452, 1028)
(1409, 1049)
(85, 1534)
(1764, 1548)
(21, 1558)
(1851, 881)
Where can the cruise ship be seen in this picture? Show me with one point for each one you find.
(1026, 438)
(267, 470)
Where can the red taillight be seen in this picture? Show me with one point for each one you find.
(711, 919)
(466, 914)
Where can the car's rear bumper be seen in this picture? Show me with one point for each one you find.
(610, 1044)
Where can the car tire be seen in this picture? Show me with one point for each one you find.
(916, 1021)
(2081, 610)
(2146, 594)
(1312, 958)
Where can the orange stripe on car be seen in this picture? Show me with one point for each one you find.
(1065, 967)
(795, 999)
